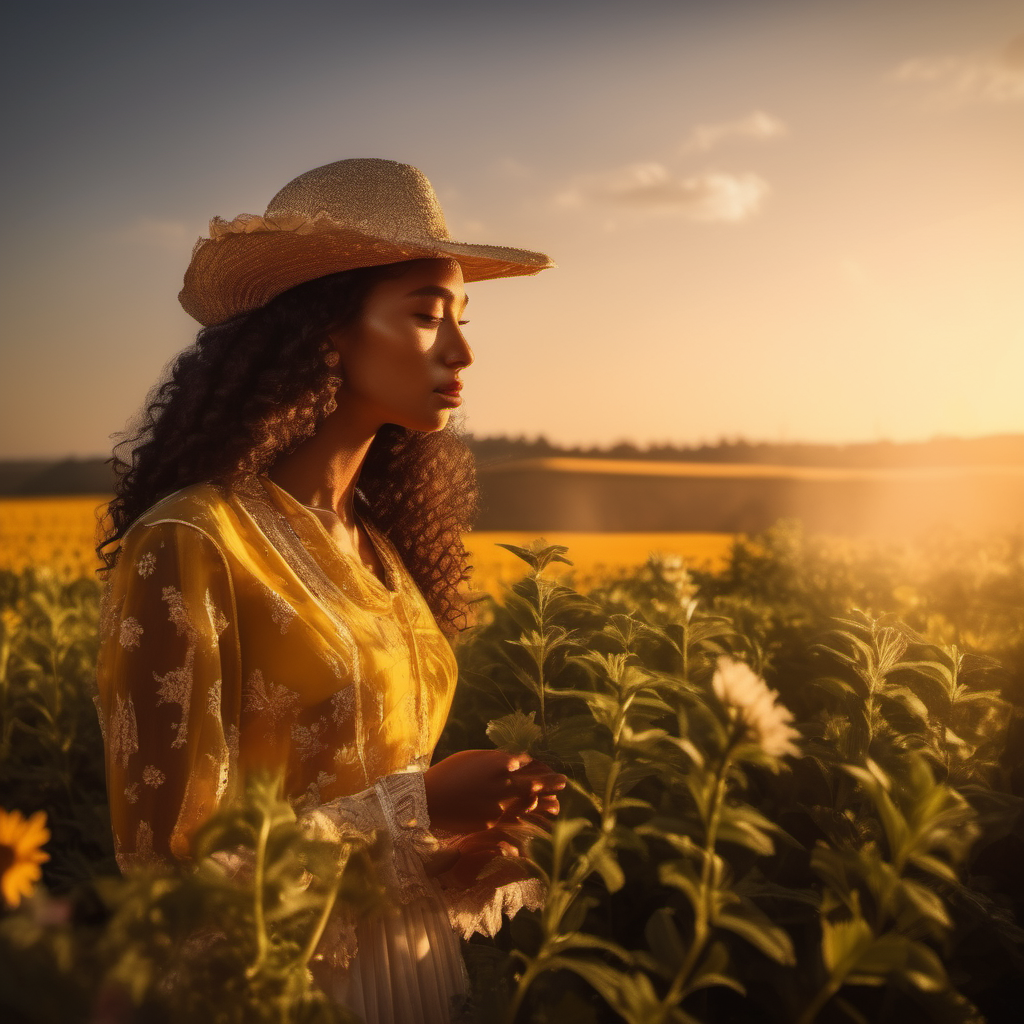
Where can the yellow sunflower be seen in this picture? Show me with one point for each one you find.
(21, 854)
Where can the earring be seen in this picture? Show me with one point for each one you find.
(332, 358)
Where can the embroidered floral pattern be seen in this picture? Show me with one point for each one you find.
(231, 738)
(216, 616)
(124, 739)
(131, 793)
(144, 842)
(175, 686)
(131, 632)
(346, 755)
(308, 740)
(152, 776)
(281, 612)
(213, 698)
(343, 705)
(109, 614)
(269, 700)
(146, 564)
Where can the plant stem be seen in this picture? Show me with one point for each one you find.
(260, 923)
(525, 982)
(321, 922)
(828, 990)
(702, 915)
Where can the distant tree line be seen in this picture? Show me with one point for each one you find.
(94, 475)
(1002, 449)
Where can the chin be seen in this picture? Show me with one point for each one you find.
(428, 424)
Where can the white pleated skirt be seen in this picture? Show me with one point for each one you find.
(408, 968)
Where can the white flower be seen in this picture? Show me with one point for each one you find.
(748, 700)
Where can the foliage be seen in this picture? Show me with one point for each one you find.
(695, 875)
(228, 942)
(709, 864)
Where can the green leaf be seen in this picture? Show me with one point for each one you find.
(843, 943)
(751, 923)
(517, 733)
(664, 940)
(597, 766)
(927, 903)
(524, 553)
(603, 861)
(584, 940)
(680, 874)
(711, 972)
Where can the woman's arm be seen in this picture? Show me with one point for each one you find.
(169, 699)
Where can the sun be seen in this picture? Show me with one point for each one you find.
(21, 841)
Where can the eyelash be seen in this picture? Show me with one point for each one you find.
(436, 321)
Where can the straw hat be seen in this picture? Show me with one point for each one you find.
(352, 213)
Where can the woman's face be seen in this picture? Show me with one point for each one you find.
(400, 361)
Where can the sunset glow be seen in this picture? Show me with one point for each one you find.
(781, 220)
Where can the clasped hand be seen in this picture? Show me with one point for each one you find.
(484, 796)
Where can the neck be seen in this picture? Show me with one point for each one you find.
(323, 470)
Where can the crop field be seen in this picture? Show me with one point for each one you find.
(796, 781)
(58, 532)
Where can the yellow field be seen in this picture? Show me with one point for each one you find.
(595, 556)
(59, 532)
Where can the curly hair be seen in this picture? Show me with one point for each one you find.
(251, 389)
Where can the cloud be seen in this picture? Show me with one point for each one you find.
(972, 77)
(757, 126)
(652, 188)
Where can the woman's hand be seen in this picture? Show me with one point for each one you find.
(463, 862)
(474, 789)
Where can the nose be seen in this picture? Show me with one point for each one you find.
(457, 353)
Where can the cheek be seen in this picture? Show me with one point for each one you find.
(389, 363)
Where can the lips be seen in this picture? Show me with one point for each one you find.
(450, 389)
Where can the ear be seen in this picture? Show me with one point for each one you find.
(335, 346)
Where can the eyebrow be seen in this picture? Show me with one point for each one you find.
(437, 291)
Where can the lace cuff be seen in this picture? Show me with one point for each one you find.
(482, 906)
(395, 805)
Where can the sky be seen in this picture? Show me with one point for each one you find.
(784, 220)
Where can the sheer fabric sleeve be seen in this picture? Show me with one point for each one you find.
(169, 693)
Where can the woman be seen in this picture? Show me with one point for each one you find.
(286, 581)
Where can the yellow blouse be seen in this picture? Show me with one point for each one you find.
(236, 635)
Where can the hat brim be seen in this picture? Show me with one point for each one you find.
(239, 271)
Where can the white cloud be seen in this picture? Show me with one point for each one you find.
(984, 77)
(652, 188)
(757, 126)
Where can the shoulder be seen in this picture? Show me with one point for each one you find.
(202, 510)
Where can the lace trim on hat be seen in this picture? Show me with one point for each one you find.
(374, 232)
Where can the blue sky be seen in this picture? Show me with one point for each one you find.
(784, 220)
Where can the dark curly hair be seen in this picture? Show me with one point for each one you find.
(251, 389)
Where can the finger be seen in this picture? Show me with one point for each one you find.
(519, 762)
(542, 775)
(529, 788)
(519, 806)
